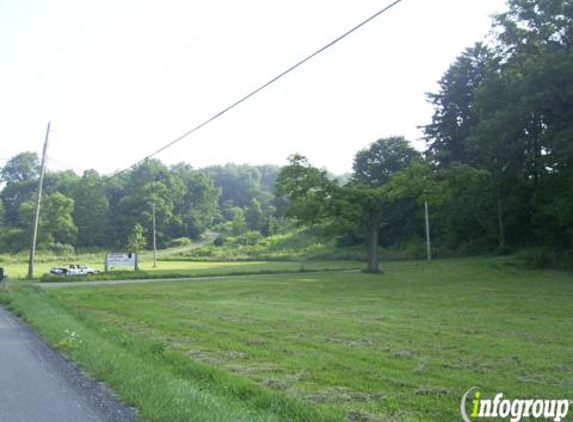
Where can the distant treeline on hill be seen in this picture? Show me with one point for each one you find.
(95, 211)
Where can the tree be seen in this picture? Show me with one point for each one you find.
(239, 223)
(373, 166)
(525, 112)
(254, 216)
(360, 205)
(199, 206)
(309, 191)
(20, 175)
(454, 114)
(22, 167)
(57, 220)
(373, 169)
(136, 240)
(91, 211)
(314, 198)
(239, 183)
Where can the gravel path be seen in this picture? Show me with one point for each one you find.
(37, 384)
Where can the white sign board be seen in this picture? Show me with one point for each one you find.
(121, 259)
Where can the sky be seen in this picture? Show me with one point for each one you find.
(119, 79)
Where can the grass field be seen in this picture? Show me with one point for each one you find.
(403, 345)
(185, 268)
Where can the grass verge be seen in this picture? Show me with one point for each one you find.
(162, 383)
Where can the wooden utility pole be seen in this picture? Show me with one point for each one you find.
(37, 213)
(154, 245)
(428, 243)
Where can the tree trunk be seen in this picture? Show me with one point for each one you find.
(373, 250)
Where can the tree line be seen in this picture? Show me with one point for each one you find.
(94, 211)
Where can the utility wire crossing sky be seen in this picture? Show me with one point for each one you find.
(265, 85)
(120, 79)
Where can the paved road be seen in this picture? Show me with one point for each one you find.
(38, 385)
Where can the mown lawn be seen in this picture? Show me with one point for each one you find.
(182, 268)
(403, 345)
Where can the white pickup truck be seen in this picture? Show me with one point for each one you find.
(74, 269)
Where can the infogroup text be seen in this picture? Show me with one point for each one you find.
(515, 410)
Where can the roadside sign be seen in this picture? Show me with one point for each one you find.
(121, 259)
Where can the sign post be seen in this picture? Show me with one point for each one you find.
(121, 259)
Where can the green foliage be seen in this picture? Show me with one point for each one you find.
(57, 221)
(360, 206)
(308, 189)
(454, 114)
(199, 206)
(239, 223)
(180, 241)
(507, 113)
(375, 165)
(92, 210)
(240, 184)
(136, 240)
(20, 168)
(14, 239)
(60, 249)
(254, 216)
(303, 243)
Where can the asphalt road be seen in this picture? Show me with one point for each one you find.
(37, 384)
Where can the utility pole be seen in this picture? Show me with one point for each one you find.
(154, 245)
(428, 245)
(37, 213)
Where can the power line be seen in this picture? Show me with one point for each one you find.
(259, 89)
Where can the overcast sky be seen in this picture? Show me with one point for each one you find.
(121, 78)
